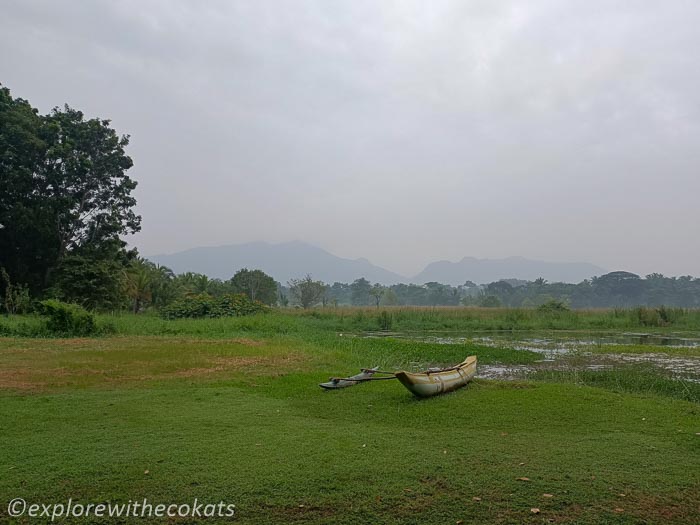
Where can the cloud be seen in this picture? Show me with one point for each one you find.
(400, 131)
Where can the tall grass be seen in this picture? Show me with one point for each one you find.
(360, 319)
(635, 379)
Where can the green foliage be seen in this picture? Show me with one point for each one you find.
(661, 316)
(376, 293)
(385, 320)
(65, 192)
(490, 301)
(92, 282)
(256, 284)
(68, 319)
(638, 379)
(647, 316)
(553, 306)
(204, 305)
(306, 291)
(139, 281)
(360, 290)
(617, 289)
(15, 296)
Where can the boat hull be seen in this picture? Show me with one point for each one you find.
(428, 384)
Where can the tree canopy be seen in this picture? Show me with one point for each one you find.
(256, 284)
(65, 191)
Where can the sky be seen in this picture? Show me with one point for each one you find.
(400, 131)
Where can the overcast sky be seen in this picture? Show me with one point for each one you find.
(400, 131)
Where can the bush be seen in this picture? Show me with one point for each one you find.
(662, 316)
(490, 301)
(68, 318)
(553, 306)
(204, 305)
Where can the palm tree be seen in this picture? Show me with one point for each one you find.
(138, 282)
(163, 288)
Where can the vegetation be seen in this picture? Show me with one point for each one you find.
(204, 305)
(228, 408)
(307, 292)
(68, 319)
(616, 289)
(65, 193)
(256, 284)
(400, 319)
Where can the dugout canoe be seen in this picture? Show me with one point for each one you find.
(438, 381)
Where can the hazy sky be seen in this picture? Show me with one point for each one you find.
(400, 131)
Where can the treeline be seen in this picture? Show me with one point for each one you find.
(615, 289)
(143, 285)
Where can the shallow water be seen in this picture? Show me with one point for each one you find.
(568, 351)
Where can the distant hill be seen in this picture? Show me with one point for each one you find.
(482, 271)
(282, 261)
(289, 260)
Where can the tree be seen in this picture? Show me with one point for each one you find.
(24, 226)
(376, 292)
(164, 289)
(65, 190)
(191, 283)
(490, 301)
(306, 291)
(89, 282)
(360, 291)
(256, 284)
(619, 288)
(390, 298)
(327, 296)
(139, 283)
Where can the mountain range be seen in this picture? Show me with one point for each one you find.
(288, 260)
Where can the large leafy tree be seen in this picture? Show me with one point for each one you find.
(90, 282)
(256, 284)
(360, 291)
(306, 291)
(24, 225)
(64, 190)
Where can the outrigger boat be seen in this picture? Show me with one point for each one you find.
(344, 382)
(430, 383)
(436, 381)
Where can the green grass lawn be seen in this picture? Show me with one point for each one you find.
(239, 417)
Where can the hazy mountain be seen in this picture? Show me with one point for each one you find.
(483, 271)
(288, 260)
(282, 261)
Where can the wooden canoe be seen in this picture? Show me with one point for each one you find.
(434, 382)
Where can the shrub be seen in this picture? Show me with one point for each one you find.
(670, 315)
(68, 318)
(662, 316)
(553, 306)
(204, 305)
(490, 301)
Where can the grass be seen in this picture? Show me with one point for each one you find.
(230, 410)
(357, 319)
(635, 379)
